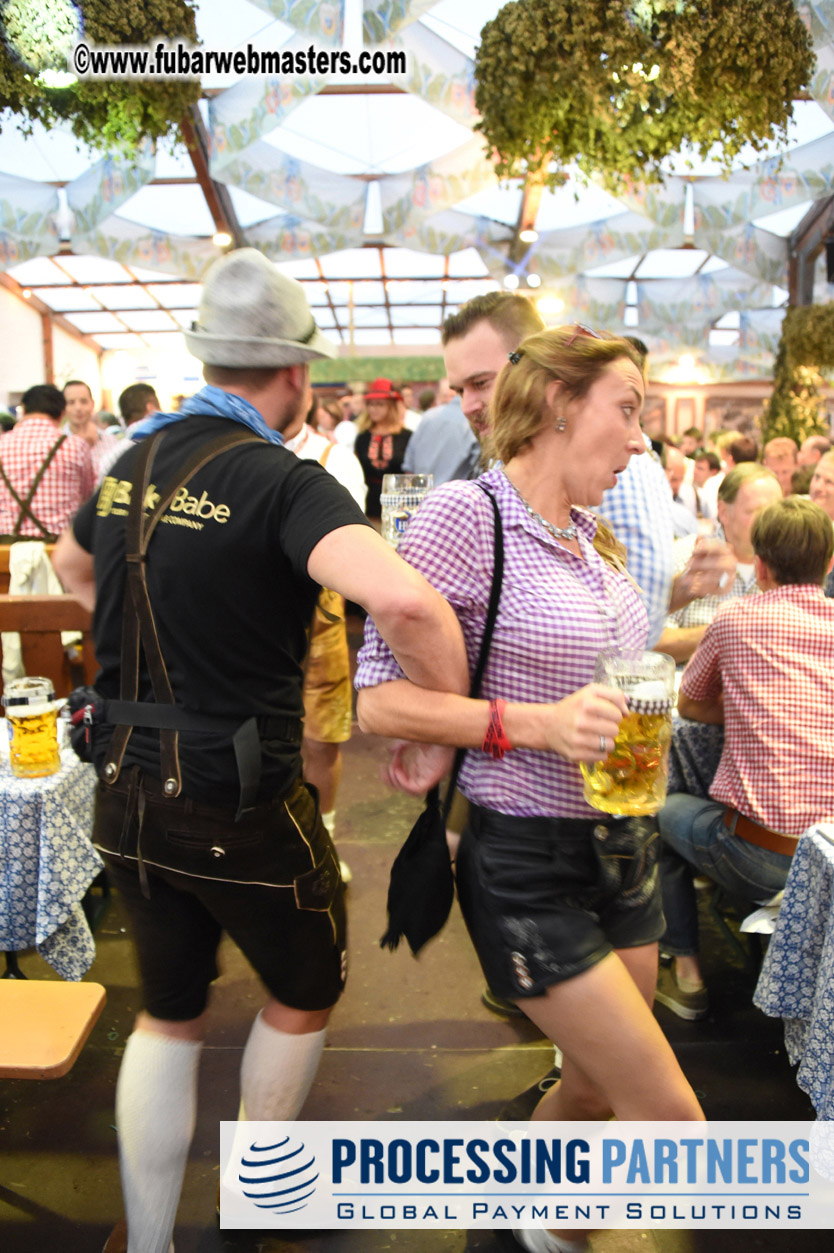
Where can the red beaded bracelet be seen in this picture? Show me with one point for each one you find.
(495, 741)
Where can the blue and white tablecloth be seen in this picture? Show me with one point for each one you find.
(797, 978)
(694, 755)
(47, 863)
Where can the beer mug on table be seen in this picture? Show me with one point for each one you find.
(401, 496)
(32, 719)
(632, 778)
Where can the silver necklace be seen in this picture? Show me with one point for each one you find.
(606, 608)
(558, 532)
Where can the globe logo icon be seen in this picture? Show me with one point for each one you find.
(279, 1177)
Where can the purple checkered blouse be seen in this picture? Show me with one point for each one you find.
(557, 612)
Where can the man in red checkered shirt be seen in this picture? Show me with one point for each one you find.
(45, 473)
(765, 669)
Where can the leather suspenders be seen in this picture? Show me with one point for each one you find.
(24, 503)
(139, 629)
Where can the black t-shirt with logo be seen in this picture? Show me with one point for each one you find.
(228, 584)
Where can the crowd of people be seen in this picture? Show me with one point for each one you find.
(702, 548)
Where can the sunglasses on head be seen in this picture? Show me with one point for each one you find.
(579, 328)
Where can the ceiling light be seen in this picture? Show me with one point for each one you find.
(511, 281)
(528, 235)
(686, 371)
(221, 239)
(534, 280)
(550, 304)
(26, 294)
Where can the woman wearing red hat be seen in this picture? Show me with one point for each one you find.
(381, 446)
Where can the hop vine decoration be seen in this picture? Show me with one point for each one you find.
(615, 86)
(797, 407)
(36, 37)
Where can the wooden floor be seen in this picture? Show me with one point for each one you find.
(410, 1039)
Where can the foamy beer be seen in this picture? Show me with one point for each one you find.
(632, 779)
(32, 718)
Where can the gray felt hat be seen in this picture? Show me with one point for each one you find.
(253, 315)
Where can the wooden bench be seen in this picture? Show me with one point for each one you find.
(44, 1024)
(39, 620)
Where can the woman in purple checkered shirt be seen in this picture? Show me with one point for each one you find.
(561, 902)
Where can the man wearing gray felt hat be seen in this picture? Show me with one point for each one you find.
(253, 315)
(255, 335)
(247, 535)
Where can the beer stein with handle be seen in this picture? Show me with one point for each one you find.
(632, 778)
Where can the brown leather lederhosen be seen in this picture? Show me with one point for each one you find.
(24, 503)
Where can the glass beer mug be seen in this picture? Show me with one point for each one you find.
(632, 778)
(32, 718)
(400, 498)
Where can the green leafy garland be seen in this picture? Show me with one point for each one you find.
(102, 114)
(796, 407)
(617, 85)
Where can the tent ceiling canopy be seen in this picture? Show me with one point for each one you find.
(373, 191)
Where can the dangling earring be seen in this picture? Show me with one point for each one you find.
(560, 423)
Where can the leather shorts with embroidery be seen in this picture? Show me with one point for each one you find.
(188, 872)
(546, 898)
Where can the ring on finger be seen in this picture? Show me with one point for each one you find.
(603, 742)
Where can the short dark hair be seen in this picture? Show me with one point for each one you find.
(426, 399)
(744, 448)
(795, 539)
(78, 383)
(509, 313)
(694, 433)
(706, 454)
(43, 398)
(230, 376)
(134, 401)
(801, 480)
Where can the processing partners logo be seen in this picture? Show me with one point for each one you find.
(580, 1175)
(278, 1176)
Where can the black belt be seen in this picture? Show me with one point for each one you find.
(154, 716)
(245, 736)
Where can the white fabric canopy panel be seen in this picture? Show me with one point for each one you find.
(374, 193)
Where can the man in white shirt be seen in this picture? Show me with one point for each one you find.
(413, 417)
(80, 418)
(136, 402)
(684, 498)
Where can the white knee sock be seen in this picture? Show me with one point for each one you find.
(156, 1109)
(277, 1072)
